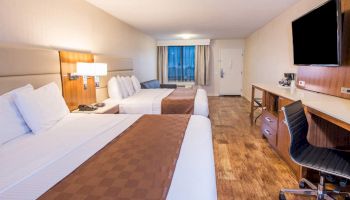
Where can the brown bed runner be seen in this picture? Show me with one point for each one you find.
(180, 101)
(138, 164)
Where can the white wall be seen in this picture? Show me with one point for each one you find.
(214, 81)
(269, 51)
(76, 25)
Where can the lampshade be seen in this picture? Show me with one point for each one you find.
(91, 69)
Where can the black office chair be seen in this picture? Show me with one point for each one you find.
(329, 162)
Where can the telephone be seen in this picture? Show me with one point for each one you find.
(100, 105)
(87, 108)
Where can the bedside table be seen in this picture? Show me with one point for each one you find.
(107, 109)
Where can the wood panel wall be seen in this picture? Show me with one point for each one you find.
(329, 80)
(322, 133)
(73, 90)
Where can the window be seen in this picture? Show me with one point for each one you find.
(181, 63)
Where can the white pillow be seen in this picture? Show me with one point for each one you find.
(42, 108)
(136, 84)
(126, 85)
(114, 90)
(129, 87)
(11, 121)
(122, 87)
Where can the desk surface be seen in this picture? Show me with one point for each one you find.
(335, 107)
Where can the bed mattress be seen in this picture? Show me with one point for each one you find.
(32, 164)
(149, 101)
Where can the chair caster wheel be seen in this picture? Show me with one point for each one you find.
(330, 178)
(343, 183)
(282, 196)
(302, 185)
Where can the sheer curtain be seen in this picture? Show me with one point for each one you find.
(202, 65)
(162, 64)
(188, 63)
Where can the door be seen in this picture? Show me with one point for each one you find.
(231, 66)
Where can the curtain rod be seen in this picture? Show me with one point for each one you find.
(183, 42)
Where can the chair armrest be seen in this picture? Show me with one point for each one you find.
(150, 84)
(345, 148)
(143, 86)
(170, 86)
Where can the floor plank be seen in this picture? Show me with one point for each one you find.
(246, 166)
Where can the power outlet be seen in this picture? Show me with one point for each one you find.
(301, 83)
(345, 90)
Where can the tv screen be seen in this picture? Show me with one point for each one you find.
(317, 36)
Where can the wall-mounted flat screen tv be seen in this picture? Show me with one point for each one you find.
(317, 36)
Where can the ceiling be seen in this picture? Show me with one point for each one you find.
(195, 19)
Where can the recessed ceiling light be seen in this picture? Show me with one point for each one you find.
(186, 36)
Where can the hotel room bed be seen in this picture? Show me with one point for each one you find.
(61, 143)
(33, 163)
(149, 101)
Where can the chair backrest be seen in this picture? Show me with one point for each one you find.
(298, 128)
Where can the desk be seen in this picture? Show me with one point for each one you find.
(328, 117)
(334, 107)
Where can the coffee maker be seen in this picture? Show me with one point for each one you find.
(287, 80)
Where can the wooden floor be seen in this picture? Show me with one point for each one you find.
(246, 166)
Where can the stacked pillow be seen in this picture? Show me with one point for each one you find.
(123, 87)
(11, 120)
(128, 84)
(136, 83)
(42, 108)
(114, 89)
(26, 110)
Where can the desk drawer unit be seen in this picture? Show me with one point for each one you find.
(270, 120)
(270, 134)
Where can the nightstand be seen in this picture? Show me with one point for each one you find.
(109, 108)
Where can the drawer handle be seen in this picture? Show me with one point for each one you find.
(268, 119)
(267, 132)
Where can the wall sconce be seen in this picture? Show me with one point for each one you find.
(91, 69)
(72, 76)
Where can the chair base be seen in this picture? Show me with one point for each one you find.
(320, 192)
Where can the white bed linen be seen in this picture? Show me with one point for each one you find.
(194, 176)
(32, 164)
(149, 101)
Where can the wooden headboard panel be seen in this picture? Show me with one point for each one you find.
(73, 90)
(116, 66)
(329, 80)
(24, 65)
